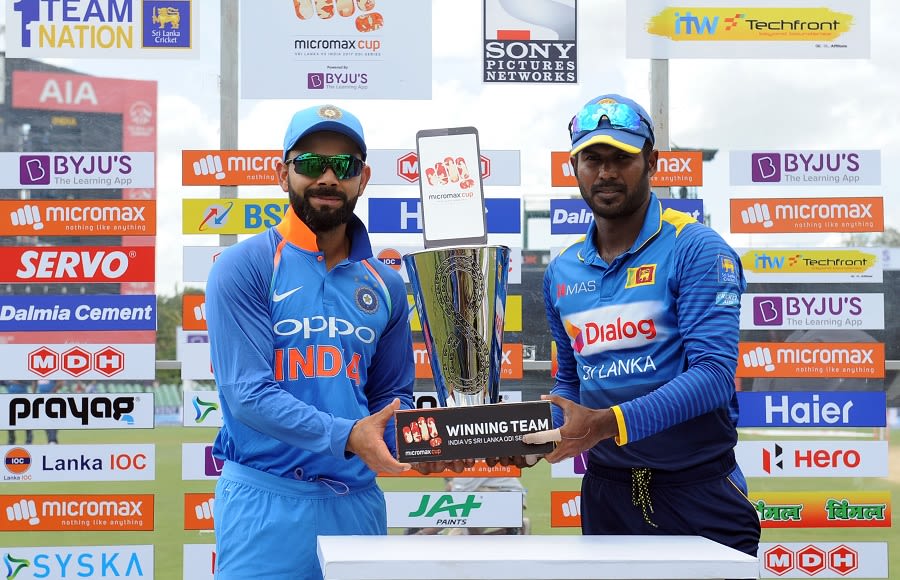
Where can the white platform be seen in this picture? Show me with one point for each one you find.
(530, 557)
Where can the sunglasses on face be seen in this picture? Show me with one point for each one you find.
(620, 116)
(313, 165)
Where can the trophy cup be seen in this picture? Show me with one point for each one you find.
(459, 286)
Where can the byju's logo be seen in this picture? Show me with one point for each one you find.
(766, 167)
(34, 170)
(768, 311)
(212, 466)
(315, 81)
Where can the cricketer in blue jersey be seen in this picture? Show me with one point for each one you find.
(312, 353)
(644, 311)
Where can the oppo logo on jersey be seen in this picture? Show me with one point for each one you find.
(619, 330)
(332, 325)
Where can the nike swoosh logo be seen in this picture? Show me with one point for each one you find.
(276, 297)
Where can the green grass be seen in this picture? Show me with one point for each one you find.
(169, 535)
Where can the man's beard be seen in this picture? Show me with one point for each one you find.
(321, 220)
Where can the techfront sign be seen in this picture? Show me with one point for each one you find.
(807, 509)
(95, 29)
(673, 169)
(823, 560)
(83, 361)
(823, 360)
(229, 167)
(76, 170)
(812, 265)
(45, 463)
(401, 167)
(77, 513)
(66, 562)
(201, 409)
(82, 411)
(813, 458)
(77, 218)
(664, 29)
(530, 41)
(87, 312)
(807, 311)
(454, 509)
(70, 264)
(231, 216)
(809, 215)
(808, 168)
(802, 409)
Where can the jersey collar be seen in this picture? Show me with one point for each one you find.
(293, 230)
(651, 226)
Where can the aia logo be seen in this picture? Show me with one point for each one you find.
(772, 460)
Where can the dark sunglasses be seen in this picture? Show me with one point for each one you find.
(313, 165)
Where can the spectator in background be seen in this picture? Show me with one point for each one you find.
(45, 386)
(18, 388)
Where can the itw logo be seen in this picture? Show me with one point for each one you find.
(14, 565)
(445, 503)
(706, 25)
(203, 409)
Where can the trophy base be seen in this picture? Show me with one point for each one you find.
(476, 432)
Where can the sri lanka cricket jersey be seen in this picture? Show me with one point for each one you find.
(654, 336)
(300, 353)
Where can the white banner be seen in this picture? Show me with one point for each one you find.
(201, 409)
(195, 363)
(77, 170)
(67, 562)
(82, 411)
(198, 261)
(813, 458)
(197, 462)
(336, 50)
(823, 560)
(401, 167)
(39, 463)
(806, 167)
(82, 361)
(199, 562)
(808, 311)
(812, 265)
(756, 29)
(502, 509)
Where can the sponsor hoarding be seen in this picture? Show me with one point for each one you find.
(812, 265)
(403, 215)
(813, 458)
(44, 463)
(198, 511)
(811, 310)
(837, 509)
(197, 462)
(81, 411)
(77, 513)
(807, 168)
(201, 409)
(77, 170)
(198, 261)
(231, 216)
(230, 166)
(392, 256)
(346, 50)
(811, 409)
(480, 469)
(199, 562)
(84, 361)
(823, 560)
(195, 362)
(807, 215)
(572, 467)
(673, 169)
(193, 312)
(70, 264)
(856, 360)
(401, 167)
(413, 509)
(665, 29)
(573, 216)
(65, 562)
(77, 313)
(76, 217)
(565, 509)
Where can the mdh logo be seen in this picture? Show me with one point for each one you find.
(811, 560)
(76, 361)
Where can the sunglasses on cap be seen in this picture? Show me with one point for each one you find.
(620, 116)
(313, 165)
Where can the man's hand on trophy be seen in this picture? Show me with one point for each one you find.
(582, 429)
(366, 440)
(429, 467)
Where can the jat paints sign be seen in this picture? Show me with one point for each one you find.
(77, 170)
(99, 28)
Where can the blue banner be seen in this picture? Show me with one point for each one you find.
(401, 215)
(813, 409)
(572, 216)
(77, 313)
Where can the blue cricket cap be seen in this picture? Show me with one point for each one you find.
(614, 120)
(323, 118)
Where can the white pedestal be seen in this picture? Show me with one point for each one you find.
(530, 557)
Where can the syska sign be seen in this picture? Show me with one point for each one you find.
(99, 29)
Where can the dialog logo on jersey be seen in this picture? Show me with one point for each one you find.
(616, 327)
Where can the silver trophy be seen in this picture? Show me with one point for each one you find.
(460, 295)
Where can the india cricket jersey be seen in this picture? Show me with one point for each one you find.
(653, 335)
